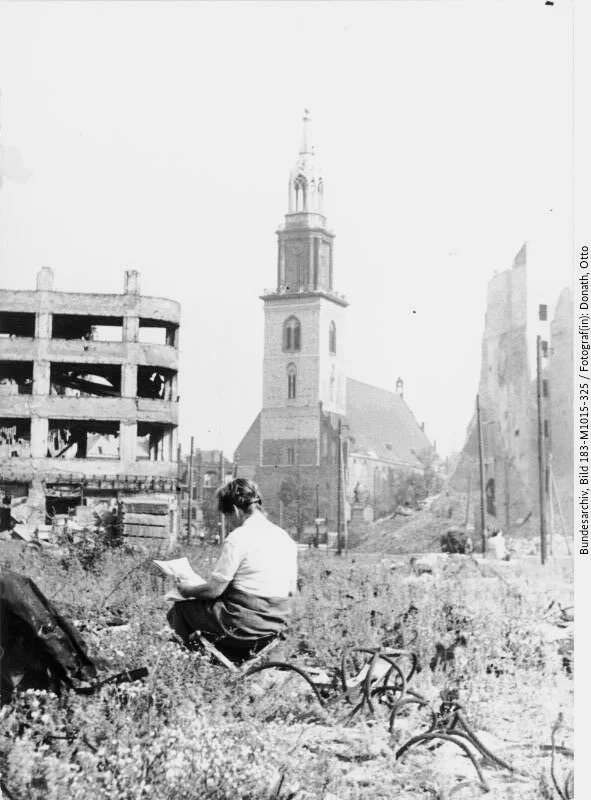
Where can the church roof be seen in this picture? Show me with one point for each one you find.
(382, 426)
(248, 450)
(520, 259)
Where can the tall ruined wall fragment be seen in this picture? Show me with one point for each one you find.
(560, 373)
(508, 401)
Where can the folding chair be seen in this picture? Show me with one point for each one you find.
(233, 656)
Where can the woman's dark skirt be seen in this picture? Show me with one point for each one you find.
(235, 615)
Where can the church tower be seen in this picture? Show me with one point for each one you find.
(304, 368)
(310, 467)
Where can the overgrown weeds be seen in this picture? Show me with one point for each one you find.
(193, 730)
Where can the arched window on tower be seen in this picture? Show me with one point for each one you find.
(301, 190)
(291, 335)
(332, 338)
(291, 381)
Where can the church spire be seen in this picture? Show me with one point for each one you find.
(305, 243)
(306, 187)
(306, 146)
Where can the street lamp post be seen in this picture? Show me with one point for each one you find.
(339, 490)
(375, 504)
(190, 502)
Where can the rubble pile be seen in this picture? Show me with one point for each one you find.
(63, 529)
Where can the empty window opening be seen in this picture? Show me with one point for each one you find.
(153, 442)
(546, 428)
(155, 383)
(14, 490)
(291, 456)
(301, 189)
(332, 457)
(544, 347)
(61, 500)
(545, 387)
(332, 338)
(291, 382)
(16, 377)
(69, 439)
(13, 494)
(13, 324)
(491, 507)
(210, 480)
(543, 312)
(15, 438)
(155, 331)
(85, 380)
(291, 335)
(88, 328)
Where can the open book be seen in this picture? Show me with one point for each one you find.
(179, 568)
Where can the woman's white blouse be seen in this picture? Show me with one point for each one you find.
(259, 558)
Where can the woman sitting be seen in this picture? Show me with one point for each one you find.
(246, 599)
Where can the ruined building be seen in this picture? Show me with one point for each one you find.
(291, 449)
(517, 313)
(88, 395)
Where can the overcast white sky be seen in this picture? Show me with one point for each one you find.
(160, 137)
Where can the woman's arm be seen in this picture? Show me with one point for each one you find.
(220, 578)
(206, 591)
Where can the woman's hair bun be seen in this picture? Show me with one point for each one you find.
(239, 492)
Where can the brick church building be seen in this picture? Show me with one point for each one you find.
(292, 448)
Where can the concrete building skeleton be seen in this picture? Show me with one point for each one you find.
(88, 407)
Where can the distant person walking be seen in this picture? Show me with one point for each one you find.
(497, 545)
